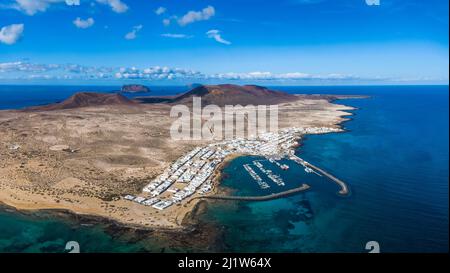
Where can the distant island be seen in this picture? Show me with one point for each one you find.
(135, 88)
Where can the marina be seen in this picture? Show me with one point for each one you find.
(256, 177)
(284, 167)
(300, 161)
(191, 175)
(344, 189)
(275, 178)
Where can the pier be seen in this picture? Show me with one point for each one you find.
(281, 166)
(272, 196)
(344, 188)
(275, 178)
(263, 185)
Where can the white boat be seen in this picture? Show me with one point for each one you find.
(256, 177)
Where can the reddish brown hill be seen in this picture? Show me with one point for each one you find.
(229, 94)
(85, 99)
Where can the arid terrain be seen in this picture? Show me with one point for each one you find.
(84, 159)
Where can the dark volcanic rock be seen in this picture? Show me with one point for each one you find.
(85, 99)
(226, 94)
(229, 94)
(135, 88)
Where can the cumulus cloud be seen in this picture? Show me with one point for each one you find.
(176, 35)
(72, 2)
(215, 34)
(160, 10)
(157, 73)
(133, 33)
(194, 16)
(166, 22)
(11, 34)
(31, 7)
(80, 23)
(27, 70)
(116, 5)
(21, 66)
(291, 76)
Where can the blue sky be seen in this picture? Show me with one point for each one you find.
(184, 41)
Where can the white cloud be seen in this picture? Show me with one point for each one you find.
(160, 10)
(117, 5)
(31, 7)
(132, 34)
(7, 66)
(72, 2)
(194, 16)
(166, 22)
(80, 23)
(291, 76)
(12, 66)
(11, 34)
(215, 34)
(176, 35)
(20, 66)
(27, 70)
(27, 67)
(157, 73)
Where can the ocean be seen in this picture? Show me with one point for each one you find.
(394, 156)
(20, 96)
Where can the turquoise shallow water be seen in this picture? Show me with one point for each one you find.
(31, 234)
(394, 158)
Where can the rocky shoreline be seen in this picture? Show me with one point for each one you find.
(104, 159)
(195, 236)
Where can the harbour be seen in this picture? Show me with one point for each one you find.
(272, 196)
(275, 178)
(192, 173)
(310, 167)
(256, 177)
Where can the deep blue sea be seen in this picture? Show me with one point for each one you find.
(19, 96)
(394, 156)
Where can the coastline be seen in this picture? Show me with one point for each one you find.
(185, 217)
(195, 235)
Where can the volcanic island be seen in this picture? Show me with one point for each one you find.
(112, 157)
